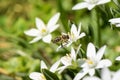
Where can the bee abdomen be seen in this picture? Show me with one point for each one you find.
(65, 36)
(57, 39)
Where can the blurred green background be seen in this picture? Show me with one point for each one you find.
(18, 58)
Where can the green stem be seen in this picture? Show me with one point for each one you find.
(98, 29)
(63, 17)
(96, 26)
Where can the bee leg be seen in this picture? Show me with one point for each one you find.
(62, 45)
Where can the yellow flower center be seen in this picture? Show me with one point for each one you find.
(43, 77)
(43, 30)
(68, 57)
(90, 62)
(72, 36)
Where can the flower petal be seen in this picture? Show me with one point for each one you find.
(73, 54)
(43, 65)
(66, 60)
(104, 63)
(114, 20)
(105, 74)
(91, 52)
(53, 20)
(36, 76)
(64, 45)
(100, 53)
(91, 72)
(36, 39)
(80, 62)
(91, 6)
(103, 1)
(58, 48)
(118, 25)
(85, 66)
(79, 29)
(80, 6)
(52, 28)
(81, 35)
(118, 58)
(69, 43)
(74, 29)
(116, 75)
(80, 75)
(40, 24)
(32, 32)
(55, 66)
(61, 69)
(91, 78)
(47, 38)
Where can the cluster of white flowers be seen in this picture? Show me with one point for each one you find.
(106, 74)
(93, 61)
(89, 64)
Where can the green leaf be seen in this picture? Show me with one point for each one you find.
(49, 75)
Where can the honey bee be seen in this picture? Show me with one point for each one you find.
(64, 38)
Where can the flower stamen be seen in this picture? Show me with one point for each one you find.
(43, 77)
(43, 30)
(90, 62)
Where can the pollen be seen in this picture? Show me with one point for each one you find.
(68, 56)
(43, 77)
(43, 30)
(89, 61)
(71, 35)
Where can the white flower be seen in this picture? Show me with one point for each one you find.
(53, 68)
(37, 76)
(68, 60)
(43, 31)
(40, 76)
(106, 74)
(118, 58)
(80, 75)
(93, 61)
(115, 21)
(75, 34)
(90, 4)
(91, 78)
